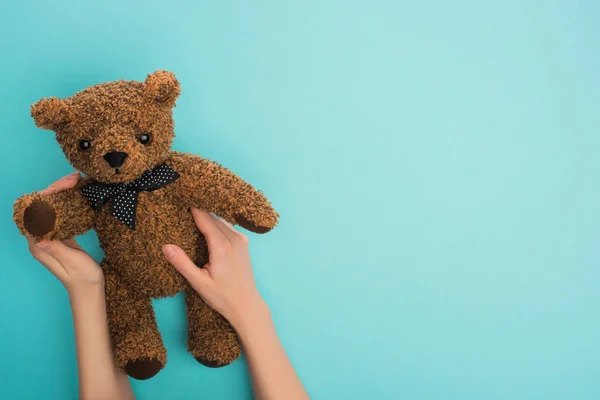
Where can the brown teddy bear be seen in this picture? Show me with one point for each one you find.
(136, 194)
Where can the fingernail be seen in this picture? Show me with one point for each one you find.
(168, 250)
(73, 175)
(42, 245)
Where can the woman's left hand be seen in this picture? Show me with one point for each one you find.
(65, 259)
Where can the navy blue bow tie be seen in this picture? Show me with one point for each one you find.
(123, 196)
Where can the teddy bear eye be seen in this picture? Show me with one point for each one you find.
(85, 144)
(145, 138)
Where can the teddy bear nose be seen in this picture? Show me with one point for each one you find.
(115, 158)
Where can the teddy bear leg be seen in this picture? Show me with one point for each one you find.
(211, 339)
(137, 343)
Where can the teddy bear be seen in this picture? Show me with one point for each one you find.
(136, 194)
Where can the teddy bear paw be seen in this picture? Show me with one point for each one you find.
(39, 218)
(143, 368)
(246, 224)
(215, 348)
(225, 357)
(212, 363)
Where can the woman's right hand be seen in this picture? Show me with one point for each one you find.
(226, 282)
(227, 285)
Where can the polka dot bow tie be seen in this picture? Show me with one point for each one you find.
(123, 197)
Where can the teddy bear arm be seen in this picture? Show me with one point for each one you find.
(56, 216)
(207, 185)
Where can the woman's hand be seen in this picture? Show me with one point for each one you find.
(226, 283)
(99, 378)
(65, 259)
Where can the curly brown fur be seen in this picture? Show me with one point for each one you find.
(211, 340)
(111, 117)
(132, 325)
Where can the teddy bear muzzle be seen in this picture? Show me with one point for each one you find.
(115, 158)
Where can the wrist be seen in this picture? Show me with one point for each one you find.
(252, 314)
(85, 293)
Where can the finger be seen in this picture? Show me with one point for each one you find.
(60, 251)
(236, 236)
(227, 224)
(199, 277)
(232, 228)
(66, 182)
(207, 225)
(226, 229)
(46, 260)
(72, 244)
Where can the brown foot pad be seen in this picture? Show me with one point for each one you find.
(244, 223)
(143, 369)
(39, 218)
(212, 363)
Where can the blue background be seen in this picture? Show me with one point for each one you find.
(435, 164)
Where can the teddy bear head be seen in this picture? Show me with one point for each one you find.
(113, 132)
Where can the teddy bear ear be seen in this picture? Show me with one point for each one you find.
(162, 87)
(51, 113)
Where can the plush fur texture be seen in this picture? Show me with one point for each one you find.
(111, 117)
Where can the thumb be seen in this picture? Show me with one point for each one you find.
(178, 258)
